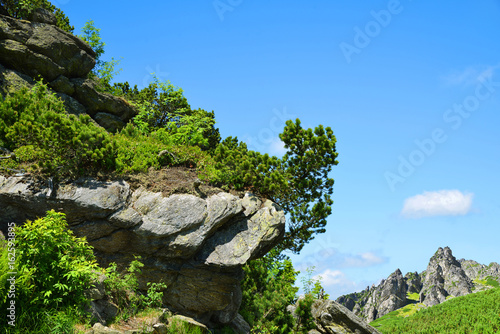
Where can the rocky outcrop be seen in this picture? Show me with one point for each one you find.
(32, 50)
(377, 301)
(197, 246)
(444, 277)
(331, 318)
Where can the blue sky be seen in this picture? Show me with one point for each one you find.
(411, 90)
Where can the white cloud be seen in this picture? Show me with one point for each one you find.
(332, 258)
(333, 277)
(471, 75)
(336, 283)
(437, 203)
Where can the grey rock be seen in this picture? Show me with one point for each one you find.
(97, 291)
(19, 57)
(444, 276)
(246, 239)
(196, 246)
(12, 81)
(63, 85)
(160, 329)
(42, 15)
(251, 203)
(331, 317)
(43, 49)
(86, 92)
(388, 296)
(192, 324)
(103, 310)
(239, 325)
(38, 49)
(110, 122)
(72, 105)
(414, 282)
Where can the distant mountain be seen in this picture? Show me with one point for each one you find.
(444, 277)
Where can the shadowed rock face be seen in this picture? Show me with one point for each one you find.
(30, 50)
(197, 246)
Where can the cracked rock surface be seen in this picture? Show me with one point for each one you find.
(197, 246)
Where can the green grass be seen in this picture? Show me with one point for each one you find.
(474, 313)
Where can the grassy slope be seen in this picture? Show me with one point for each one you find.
(474, 313)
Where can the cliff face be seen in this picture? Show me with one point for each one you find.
(445, 276)
(31, 50)
(197, 246)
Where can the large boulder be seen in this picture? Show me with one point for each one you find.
(332, 318)
(30, 50)
(35, 48)
(197, 246)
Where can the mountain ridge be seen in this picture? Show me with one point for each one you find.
(445, 277)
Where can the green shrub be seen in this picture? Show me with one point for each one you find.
(54, 268)
(305, 320)
(122, 288)
(268, 288)
(35, 124)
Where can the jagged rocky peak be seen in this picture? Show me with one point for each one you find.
(444, 277)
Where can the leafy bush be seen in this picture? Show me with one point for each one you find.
(54, 268)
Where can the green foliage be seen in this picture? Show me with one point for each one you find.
(267, 291)
(474, 313)
(34, 124)
(23, 9)
(154, 297)
(299, 182)
(104, 70)
(313, 286)
(305, 320)
(413, 296)
(309, 159)
(122, 287)
(165, 111)
(54, 267)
